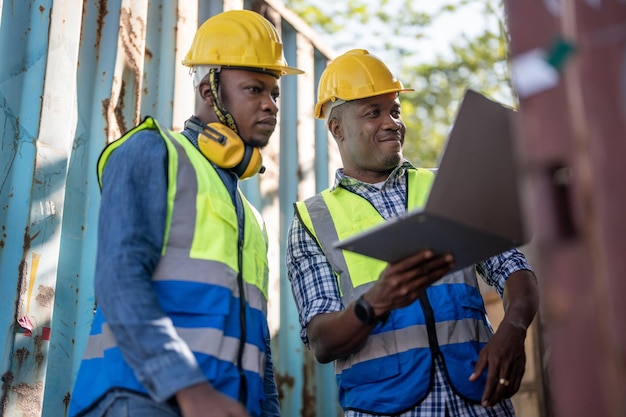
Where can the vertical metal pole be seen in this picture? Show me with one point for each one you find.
(289, 357)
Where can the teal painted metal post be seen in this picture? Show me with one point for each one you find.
(160, 62)
(24, 43)
(322, 180)
(289, 353)
(326, 401)
(75, 300)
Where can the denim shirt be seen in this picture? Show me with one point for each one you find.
(130, 236)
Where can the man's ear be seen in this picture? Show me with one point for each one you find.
(204, 91)
(334, 126)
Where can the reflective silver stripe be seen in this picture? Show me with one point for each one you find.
(176, 263)
(414, 337)
(203, 341)
(326, 234)
(184, 216)
(464, 276)
(198, 340)
(255, 297)
(98, 343)
(177, 266)
(257, 216)
(385, 344)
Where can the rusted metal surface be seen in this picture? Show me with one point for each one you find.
(75, 76)
(571, 145)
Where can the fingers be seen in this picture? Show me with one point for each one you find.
(403, 282)
(502, 383)
(504, 361)
(416, 259)
(424, 265)
(502, 390)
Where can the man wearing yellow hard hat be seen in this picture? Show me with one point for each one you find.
(408, 338)
(181, 272)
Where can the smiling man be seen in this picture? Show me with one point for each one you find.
(408, 339)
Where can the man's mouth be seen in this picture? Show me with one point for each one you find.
(391, 138)
(268, 123)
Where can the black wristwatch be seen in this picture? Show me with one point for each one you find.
(365, 312)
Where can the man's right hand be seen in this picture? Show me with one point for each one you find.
(402, 282)
(340, 333)
(203, 400)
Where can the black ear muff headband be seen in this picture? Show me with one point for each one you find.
(221, 112)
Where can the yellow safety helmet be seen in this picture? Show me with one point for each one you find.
(355, 74)
(239, 38)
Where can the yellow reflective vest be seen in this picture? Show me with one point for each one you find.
(210, 284)
(393, 371)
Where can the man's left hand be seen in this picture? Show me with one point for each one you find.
(505, 359)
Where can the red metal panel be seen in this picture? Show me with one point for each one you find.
(571, 139)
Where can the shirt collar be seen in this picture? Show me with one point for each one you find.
(342, 179)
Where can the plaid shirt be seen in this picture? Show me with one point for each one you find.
(315, 289)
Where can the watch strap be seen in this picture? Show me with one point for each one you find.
(365, 312)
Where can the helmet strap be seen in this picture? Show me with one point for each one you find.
(220, 111)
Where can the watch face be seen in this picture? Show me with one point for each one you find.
(360, 312)
(364, 311)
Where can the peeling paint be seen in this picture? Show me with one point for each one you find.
(22, 288)
(102, 12)
(21, 354)
(283, 380)
(48, 208)
(29, 398)
(45, 296)
(66, 400)
(308, 388)
(7, 381)
(39, 358)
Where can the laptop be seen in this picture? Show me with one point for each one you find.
(473, 209)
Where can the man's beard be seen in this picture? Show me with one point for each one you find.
(392, 161)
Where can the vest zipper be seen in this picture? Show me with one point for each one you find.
(430, 325)
(241, 220)
(243, 387)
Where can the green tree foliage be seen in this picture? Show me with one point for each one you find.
(395, 30)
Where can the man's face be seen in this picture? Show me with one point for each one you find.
(251, 98)
(370, 134)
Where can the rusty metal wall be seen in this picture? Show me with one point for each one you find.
(74, 75)
(570, 58)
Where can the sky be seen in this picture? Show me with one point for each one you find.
(437, 38)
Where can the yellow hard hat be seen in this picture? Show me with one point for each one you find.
(355, 74)
(239, 38)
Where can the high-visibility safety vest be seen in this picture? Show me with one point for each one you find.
(393, 371)
(212, 289)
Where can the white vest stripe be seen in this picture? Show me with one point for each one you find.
(177, 266)
(199, 340)
(398, 341)
(326, 232)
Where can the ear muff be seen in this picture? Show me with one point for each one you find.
(222, 146)
(250, 164)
